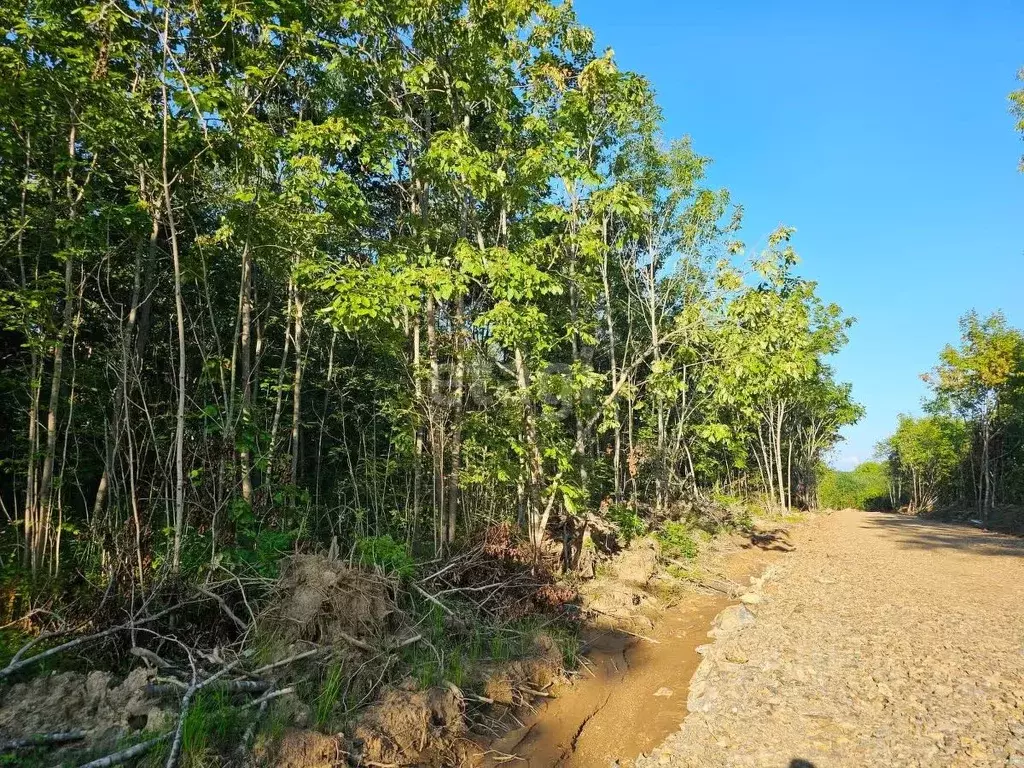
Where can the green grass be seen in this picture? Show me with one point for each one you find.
(212, 725)
(330, 692)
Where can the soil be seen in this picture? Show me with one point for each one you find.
(632, 691)
(95, 702)
(886, 640)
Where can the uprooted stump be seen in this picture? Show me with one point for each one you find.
(325, 601)
(298, 748)
(622, 594)
(406, 727)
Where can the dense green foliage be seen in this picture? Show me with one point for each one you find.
(346, 270)
(968, 450)
(865, 487)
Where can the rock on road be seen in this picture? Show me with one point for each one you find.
(883, 640)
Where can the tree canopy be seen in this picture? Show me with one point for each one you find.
(329, 270)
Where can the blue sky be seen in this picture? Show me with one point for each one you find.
(880, 130)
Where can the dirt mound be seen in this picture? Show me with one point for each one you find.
(326, 601)
(411, 727)
(502, 682)
(622, 590)
(73, 701)
(302, 749)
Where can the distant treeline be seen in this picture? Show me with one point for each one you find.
(865, 487)
(967, 451)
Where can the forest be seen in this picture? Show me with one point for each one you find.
(963, 457)
(385, 282)
(335, 271)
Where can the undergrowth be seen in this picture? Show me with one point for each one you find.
(677, 540)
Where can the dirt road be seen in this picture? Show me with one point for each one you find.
(882, 641)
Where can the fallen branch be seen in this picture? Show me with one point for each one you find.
(152, 658)
(727, 588)
(17, 665)
(119, 758)
(41, 740)
(186, 702)
(638, 636)
(269, 696)
(355, 641)
(463, 695)
(289, 660)
(224, 607)
(224, 686)
(542, 694)
(407, 641)
(433, 599)
(262, 702)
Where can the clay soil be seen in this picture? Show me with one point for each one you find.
(632, 691)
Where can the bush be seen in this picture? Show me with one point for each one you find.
(629, 524)
(385, 553)
(677, 541)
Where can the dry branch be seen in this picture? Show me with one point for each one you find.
(224, 686)
(186, 702)
(354, 641)
(119, 758)
(17, 665)
(152, 658)
(270, 696)
(224, 607)
(42, 740)
(289, 660)
(532, 692)
(433, 599)
(407, 641)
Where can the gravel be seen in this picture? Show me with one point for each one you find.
(882, 640)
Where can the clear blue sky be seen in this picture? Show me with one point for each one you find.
(880, 130)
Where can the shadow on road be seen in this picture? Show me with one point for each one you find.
(776, 540)
(916, 533)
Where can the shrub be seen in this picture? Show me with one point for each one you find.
(385, 553)
(629, 524)
(677, 541)
(866, 487)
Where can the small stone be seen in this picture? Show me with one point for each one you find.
(750, 598)
(663, 692)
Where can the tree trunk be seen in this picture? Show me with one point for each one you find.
(179, 315)
(434, 427)
(296, 387)
(778, 452)
(458, 351)
(244, 461)
(533, 456)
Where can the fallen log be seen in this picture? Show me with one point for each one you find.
(18, 664)
(41, 740)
